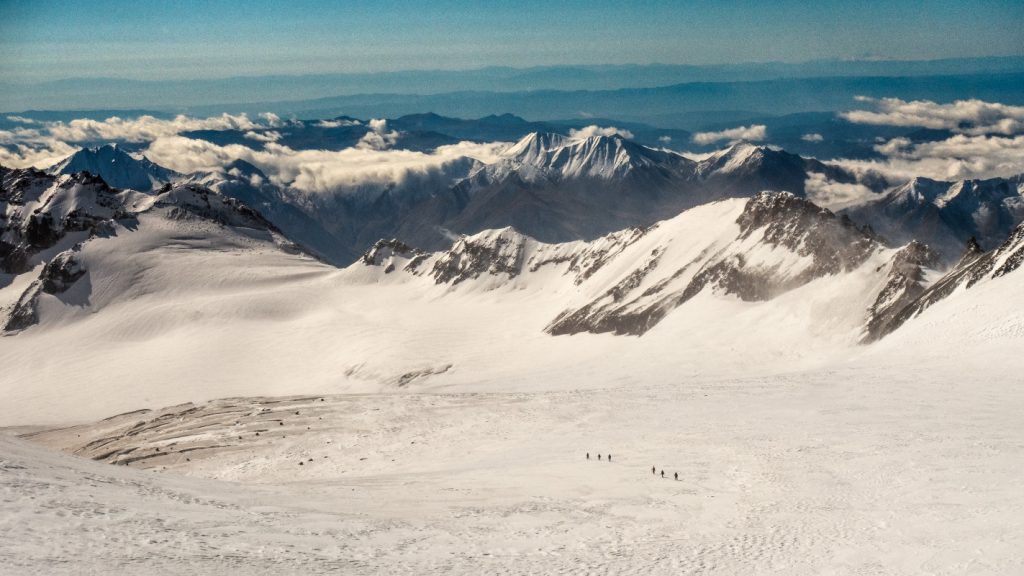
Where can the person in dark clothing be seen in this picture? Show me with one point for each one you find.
(598, 456)
(588, 455)
(662, 473)
(609, 457)
(654, 470)
(677, 475)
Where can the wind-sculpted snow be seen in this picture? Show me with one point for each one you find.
(851, 470)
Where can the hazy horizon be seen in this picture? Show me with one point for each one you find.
(98, 39)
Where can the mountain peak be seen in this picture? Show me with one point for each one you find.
(116, 167)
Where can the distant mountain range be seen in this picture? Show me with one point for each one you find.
(179, 94)
(557, 188)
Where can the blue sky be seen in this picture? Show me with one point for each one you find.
(149, 39)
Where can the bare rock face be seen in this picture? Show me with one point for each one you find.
(383, 250)
(834, 244)
(57, 277)
(393, 253)
(495, 252)
(40, 209)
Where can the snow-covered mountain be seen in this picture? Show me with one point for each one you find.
(56, 228)
(43, 213)
(552, 157)
(946, 215)
(556, 188)
(974, 268)
(627, 282)
(117, 168)
(744, 169)
(190, 273)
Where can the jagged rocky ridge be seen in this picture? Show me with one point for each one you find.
(974, 267)
(556, 189)
(631, 280)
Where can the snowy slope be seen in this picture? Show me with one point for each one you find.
(206, 310)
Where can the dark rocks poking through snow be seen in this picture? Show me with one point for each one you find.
(971, 269)
(57, 277)
(782, 220)
(385, 252)
(905, 283)
(497, 252)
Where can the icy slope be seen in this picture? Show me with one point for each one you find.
(629, 281)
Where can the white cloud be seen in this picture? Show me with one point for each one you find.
(835, 195)
(959, 157)
(973, 117)
(595, 130)
(272, 120)
(319, 171)
(665, 139)
(45, 143)
(814, 137)
(37, 155)
(378, 138)
(268, 136)
(753, 133)
(22, 120)
(338, 123)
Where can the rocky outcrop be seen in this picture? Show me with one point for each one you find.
(57, 277)
(823, 244)
(904, 284)
(494, 252)
(39, 210)
(972, 269)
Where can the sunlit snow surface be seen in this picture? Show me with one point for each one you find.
(452, 433)
(851, 471)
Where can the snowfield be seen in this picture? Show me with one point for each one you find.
(850, 471)
(278, 415)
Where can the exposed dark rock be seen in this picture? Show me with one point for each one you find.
(993, 264)
(905, 284)
(470, 257)
(780, 220)
(383, 250)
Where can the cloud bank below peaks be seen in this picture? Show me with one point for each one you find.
(973, 117)
(752, 133)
